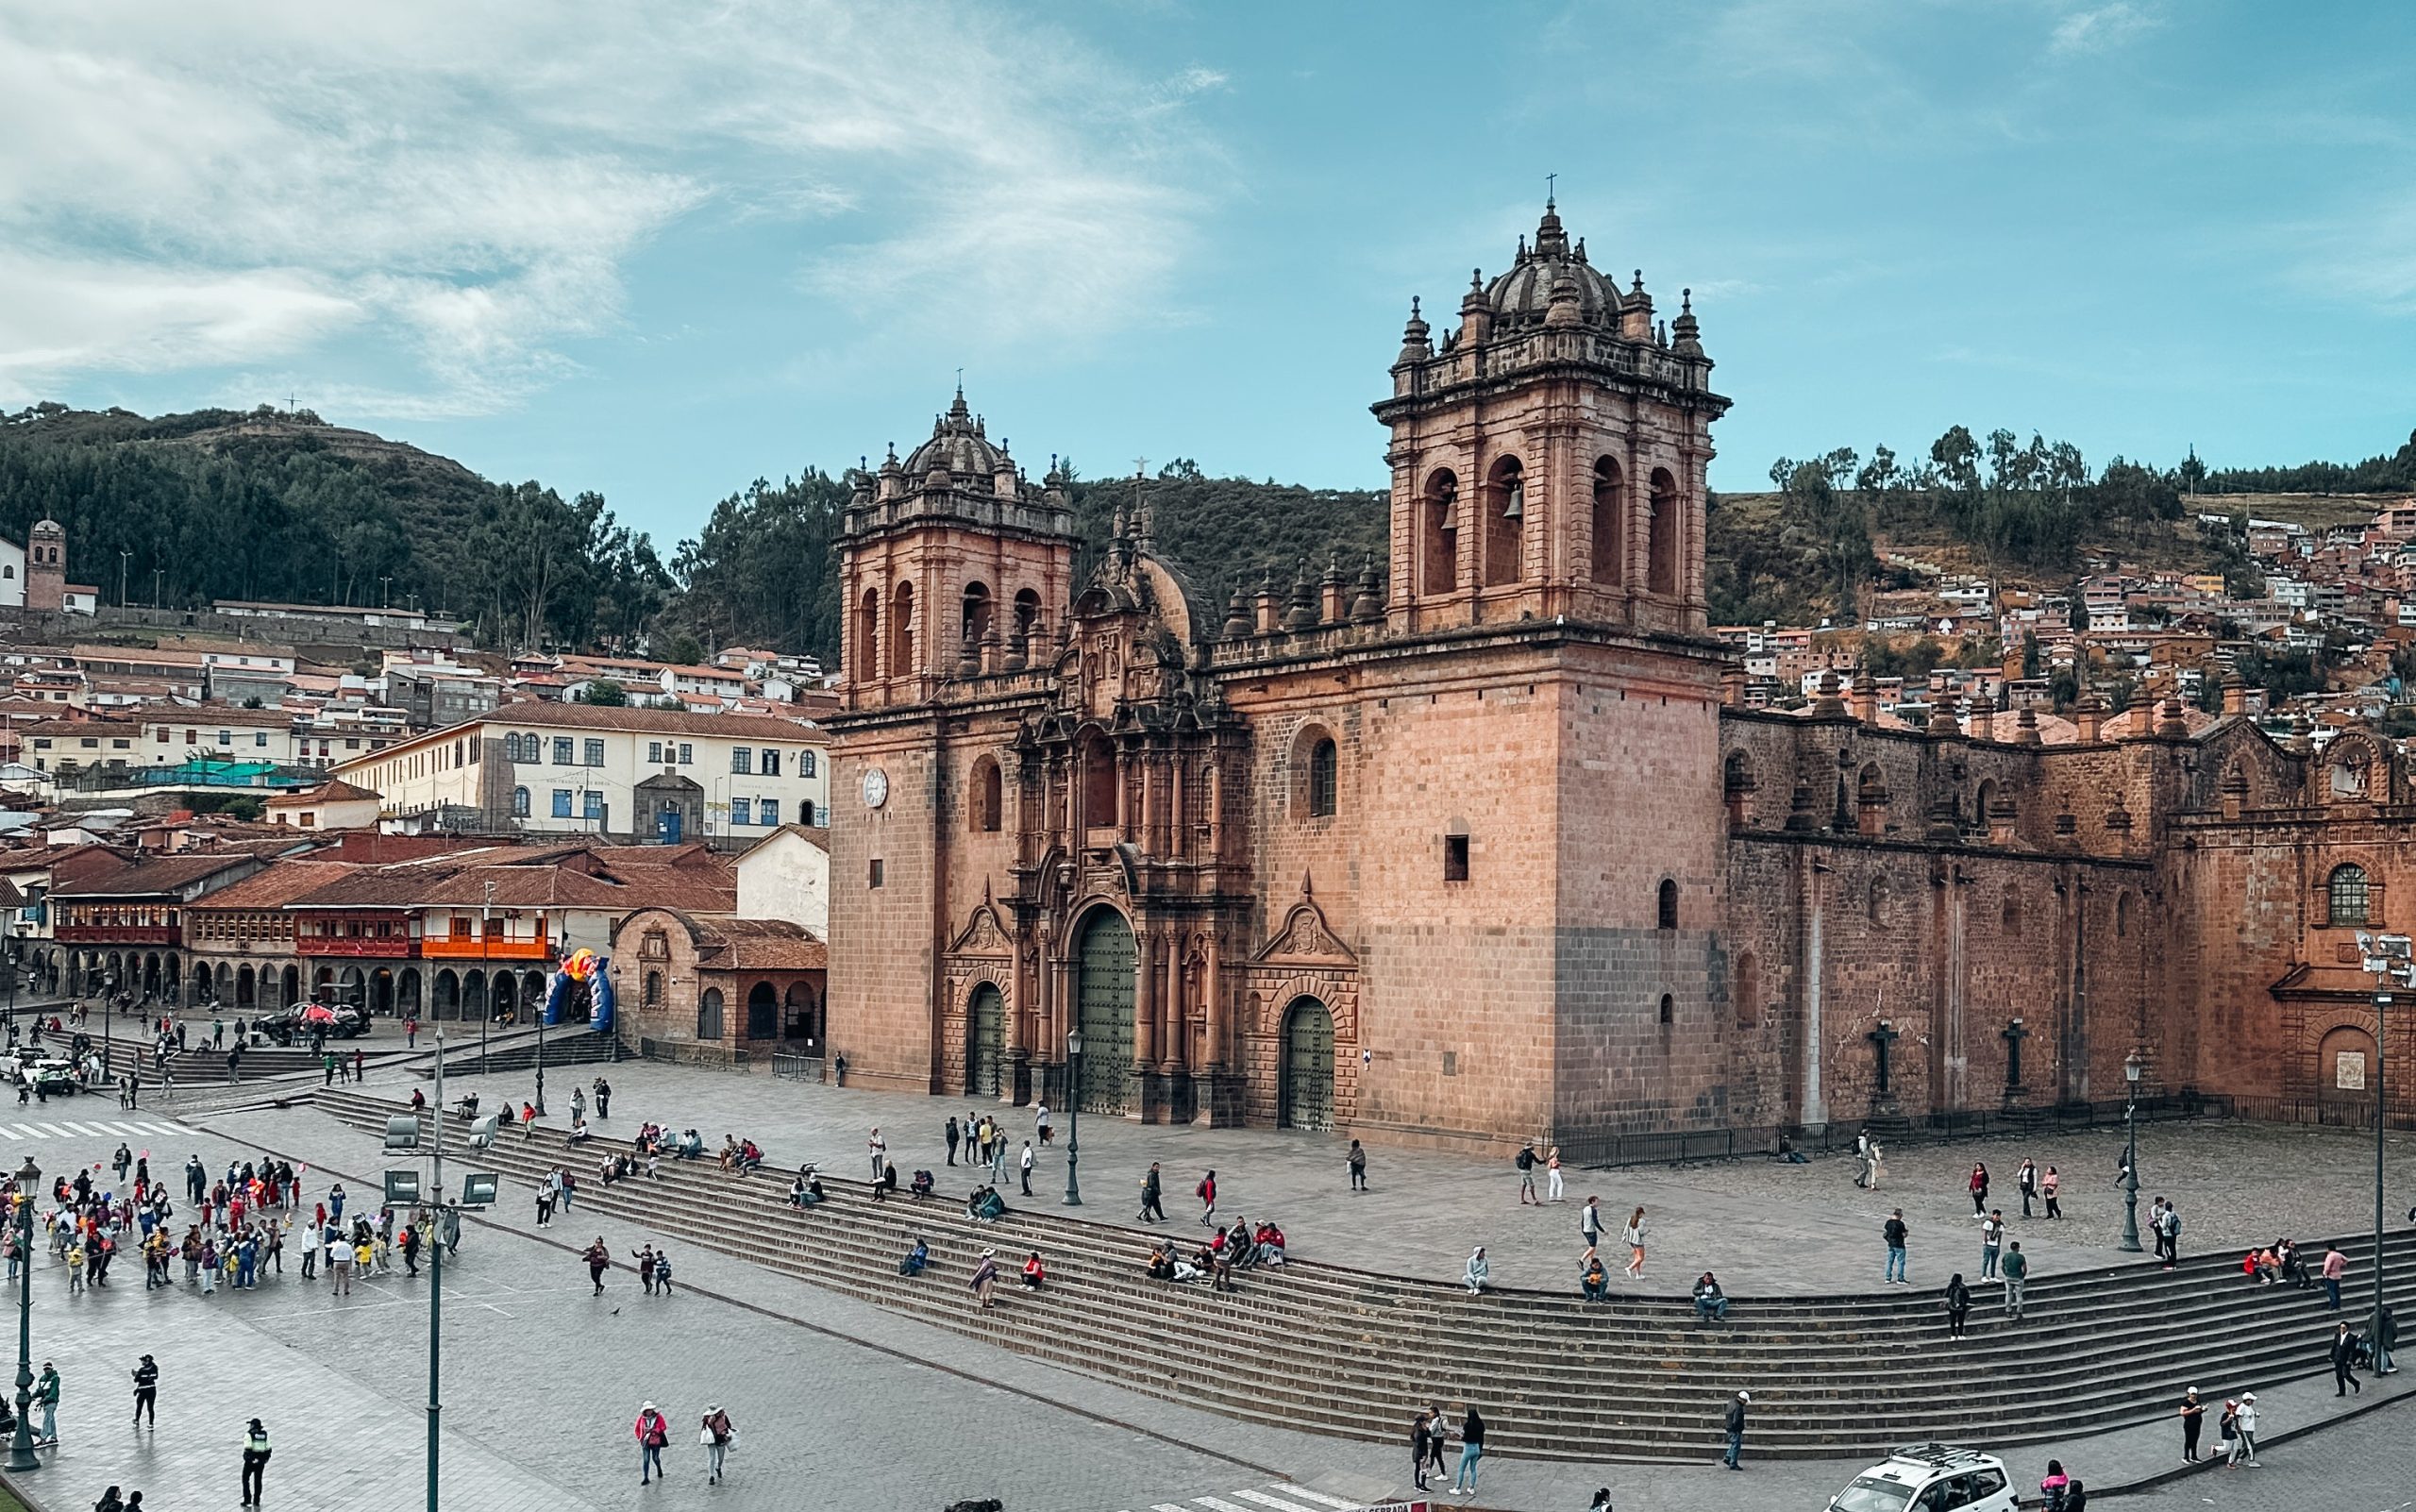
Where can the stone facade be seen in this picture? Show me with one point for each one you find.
(1486, 849)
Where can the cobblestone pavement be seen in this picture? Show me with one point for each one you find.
(1764, 1227)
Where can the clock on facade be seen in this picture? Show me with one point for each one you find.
(876, 787)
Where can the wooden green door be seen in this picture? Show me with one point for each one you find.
(1104, 997)
(985, 1044)
(1308, 1066)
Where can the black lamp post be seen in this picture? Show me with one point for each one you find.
(2131, 1069)
(2391, 960)
(1073, 1117)
(20, 1447)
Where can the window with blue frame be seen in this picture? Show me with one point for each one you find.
(562, 747)
(520, 804)
(741, 811)
(562, 803)
(742, 760)
(771, 763)
(594, 754)
(805, 764)
(591, 804)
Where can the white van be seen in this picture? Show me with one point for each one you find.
(1930, 1478)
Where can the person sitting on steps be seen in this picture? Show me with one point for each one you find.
(918, 1254)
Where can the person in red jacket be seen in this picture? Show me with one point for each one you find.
(653, 1430)
(1033, 1272)
(1206, 1192)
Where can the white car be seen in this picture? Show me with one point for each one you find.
(1930, 1478)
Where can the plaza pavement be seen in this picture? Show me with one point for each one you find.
(834, 1408)
(1765, 1228)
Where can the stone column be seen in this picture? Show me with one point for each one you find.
(1816, 1108)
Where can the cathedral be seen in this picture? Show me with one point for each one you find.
(1485, 848)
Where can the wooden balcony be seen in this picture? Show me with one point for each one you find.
(471, 949)
(386, 946)
(118, 934)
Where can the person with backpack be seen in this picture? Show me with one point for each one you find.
(256, 1452)
(1152, 1201)
(652, 1431)
(1895, 1233)
(1206, 1192)
(1525, 1161)
(2168, 1236)
(1958, 1304)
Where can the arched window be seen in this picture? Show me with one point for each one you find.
(805, 813)
(1027, 611)
(1505, 519)
(708, 1015)
(868, 646)
(1878, 909)
(2349, 896)
(988, 794)
(1324, 777)
(520, 804)
(511, 746)
(901, 631)
(1748, 991)
(1669, 1009)
(1441, 511)
(2122, 913)
(1099, 783)
(1666, 915)
(978, 612)
(1610, 525)
(652, 997)
(1662, 545)
(2010, 920)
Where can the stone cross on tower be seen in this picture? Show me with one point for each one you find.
(2013, 1034)
(1883, 1041)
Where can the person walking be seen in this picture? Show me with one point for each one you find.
(146, 1391)
(2017, 1279)
(2344, 1367)
(2049, 1185)
(1862, 1157)
(2193, 1421)
(1023, 1165)
(1552, 1187)
(1040, 1124)
(339, 1266)
(47, 1396)
(256, 1452)
(1895, 1233)
(1357, 1163)
(1418, 1447)
(663, 1271)
(1206, 1192)
(717, 1434)
(410, 1033)
(652, 1431)
(1525, 1161)
(1634, 1238)
(1589, 1223)
(1152, 1197)
(1472, 1451)
(2243, 1443)
(952, 1137)
(1736, 1426)
(2028, 1178)
(2167, 1234)
(1992, 1244)
(986, 1276)
(1438, 1438)
(599, 1259)
(1979, 1184)
(2336, 1266)
(1958, 1304)
(603, 1099)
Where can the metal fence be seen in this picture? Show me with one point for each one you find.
(1610, 1148)
(797, 1068)
(2319, 1113)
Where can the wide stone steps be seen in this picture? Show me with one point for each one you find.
(1341, 1351)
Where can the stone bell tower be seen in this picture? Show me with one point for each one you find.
(46, 567)
(1547, 458)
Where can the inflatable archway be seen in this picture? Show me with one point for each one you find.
(595, 970)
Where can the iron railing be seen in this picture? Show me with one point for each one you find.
(797, 1068)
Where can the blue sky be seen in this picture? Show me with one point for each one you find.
(657, 251)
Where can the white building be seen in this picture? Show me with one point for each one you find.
(643, 775)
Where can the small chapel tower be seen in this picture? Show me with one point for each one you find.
(1548, 456)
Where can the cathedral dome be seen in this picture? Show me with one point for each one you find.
(1523, 296)
(958, 445)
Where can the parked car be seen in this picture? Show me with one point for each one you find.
(1930, 1478)
(52, 1077)
(298, 1023)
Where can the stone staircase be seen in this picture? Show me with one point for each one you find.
(1328, 1349)
(570, 1046)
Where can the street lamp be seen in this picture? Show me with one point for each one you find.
(1074, 1117)
(2388, 958)
(541, 1059)
(2131, 1069)
(21, 1448)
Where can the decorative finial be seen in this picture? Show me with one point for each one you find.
(1638, 286)
(1551, 183)
(1413, 306)
(1476, 278)
(1685, 301)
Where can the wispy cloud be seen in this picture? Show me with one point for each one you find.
(2102, 29)
(463, 187)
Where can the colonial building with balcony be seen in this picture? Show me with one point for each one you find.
(720, 991)
(122, 925)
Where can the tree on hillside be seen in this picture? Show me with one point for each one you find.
(604, 693)
(764, 570)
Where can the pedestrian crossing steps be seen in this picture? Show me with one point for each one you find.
(1324, 1347)
(1281, 1497)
